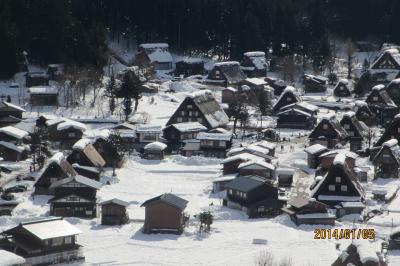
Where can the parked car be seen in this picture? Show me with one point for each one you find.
(29, 178)
(15, 189)
(5, 169)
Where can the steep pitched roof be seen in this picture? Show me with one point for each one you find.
(335, 125)
(393, 147)
(90, 151)
(169, 199)
(79, 179)
(246, 183)
(380, 92)
(231, 71)
(360, 126)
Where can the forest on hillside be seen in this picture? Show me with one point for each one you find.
(74, 32)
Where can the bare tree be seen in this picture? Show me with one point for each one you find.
(265, 258)
(350, 51)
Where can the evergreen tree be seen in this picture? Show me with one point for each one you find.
(39, 147)
(115, 140)
(110, 93)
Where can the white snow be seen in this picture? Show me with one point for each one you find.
(314, 149)
(256, 81)
(12, 146)
(365, 251)
(51, 229)
(189, 126)
(43, 90)
(156, 146)
(71, 124)
(259, 164)
(340, 159)
(81, 144)
(14, 106)
(10, 259)
(227, 63)
(14, 132)
(242, 156)
(390, 143)
(214, 136)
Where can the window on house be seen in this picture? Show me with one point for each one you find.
(68, 240)
(385, 155)
(217, 72)
(325, 126)
(338, 179)
(289, 98)
(221, 143)
(196, 113)
(58, 241)
(182, 113)
(244, 195)
(346, 126)
(230, 191)
(190, 113)
(343, 188)
(71, 134)
(261, 209)
(179, 119)
(375, 98)
(331, 187)
(189, 106)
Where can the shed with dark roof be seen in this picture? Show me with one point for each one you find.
(164, 214)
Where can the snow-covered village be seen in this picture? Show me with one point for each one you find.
(248, 132)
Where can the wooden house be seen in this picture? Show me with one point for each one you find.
(387, 160)
(357, 130)
(231, 164)
(360, 253)
(214, 144)
(313, 153)
(302, 210)
(55, 71)
(328, 133)
(200, 107)
(10, 114)
(381, 104)
(107, 151)
(189, 67)
(156, 55)
(83, 153)
(259, 168)
(66, 133)
(127, 132)
(176, 134)
(277, 84)
(342, 88)
(339, 184)
(14, 135)
(74, 196)
(154, 151)
(364, 113)
(295, 119)
(394, 240)
(288, 96)
(392, 131)
(326, 159)
(386, 65)
(191, 148)
(254, 64)
(87, 171)
(270, 146)
(164, 214)
(43, 96)
(36, 79)
(254, 195)
(226, 74)
(14, 153)
(393, 89)
(314, 83)
(113, 212)
(44, 241)
(147, 133)
(229, 95)
(57, 168)
(285, 176)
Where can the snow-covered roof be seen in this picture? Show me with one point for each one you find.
(156, 146)
(13, 106)
(390, 143)
(331, 153)
(318, 215)
(71, 124)
(43, 90)
(338, 198)
(256, 165)
(295, 110)
(115, 201)
(265, 144)
(255, 53)
(214, 136)
(189, 126)
(352, 204)
(256, 81)
(79, 179)
(148, 129)
(340, 158)
(314, 149)
(81, 144)
(10, 259)
(304, 105)
(285, 171)
(211, 109)
(14, 132)
(50, 228)
(227, 63)
(157, 52)
(12, 146)
(57, 157)
(243, 156)
(366, 252)
(153, 45)
(393, 52)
